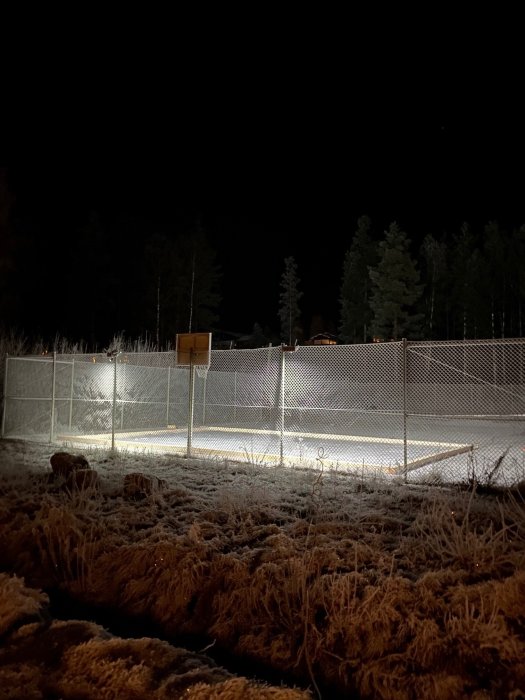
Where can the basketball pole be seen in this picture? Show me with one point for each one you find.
(195, 347)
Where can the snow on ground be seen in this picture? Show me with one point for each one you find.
(339, 584)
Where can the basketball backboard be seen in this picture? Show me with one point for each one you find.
(193, 348)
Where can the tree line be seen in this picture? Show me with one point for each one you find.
(98, 278)
(454, 287)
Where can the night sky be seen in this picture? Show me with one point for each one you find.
(275, 157)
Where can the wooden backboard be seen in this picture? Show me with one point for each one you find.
(193, 348)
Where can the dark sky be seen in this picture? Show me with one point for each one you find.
(278, 153)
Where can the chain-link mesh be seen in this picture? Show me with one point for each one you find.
(343, 401)
(427, 410)
(470, 396)
(28, 394)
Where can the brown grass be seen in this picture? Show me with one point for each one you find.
(379, 592)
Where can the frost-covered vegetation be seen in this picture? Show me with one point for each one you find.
(341, 586)
(15, 343)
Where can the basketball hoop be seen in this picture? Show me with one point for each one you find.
(202, 371)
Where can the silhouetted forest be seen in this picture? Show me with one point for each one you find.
(89, 276)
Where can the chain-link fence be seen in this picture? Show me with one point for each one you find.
(427, 410)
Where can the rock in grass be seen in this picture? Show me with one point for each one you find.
(138, 485)
(63, 463)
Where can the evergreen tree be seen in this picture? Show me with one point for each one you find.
(395, 289)
(289, 312)
(182, 285)
(517, 282)
(496, 247)
(8, 297)
(434, 254)
(157, 255)
(355, 287)
(95, 309)
(199, 293)
(469, 300)
(256, 339)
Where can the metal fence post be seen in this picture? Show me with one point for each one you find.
(405, 461)
(114, 407)
(4, 410)
(122, 394)
(190, 405)
(168, 399)
(52, 429)
(204, 398)
(282, 407)
(235, 397)
(71, 393)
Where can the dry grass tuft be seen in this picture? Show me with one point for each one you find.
(242, 689)
(379, 592)
(18, 603)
